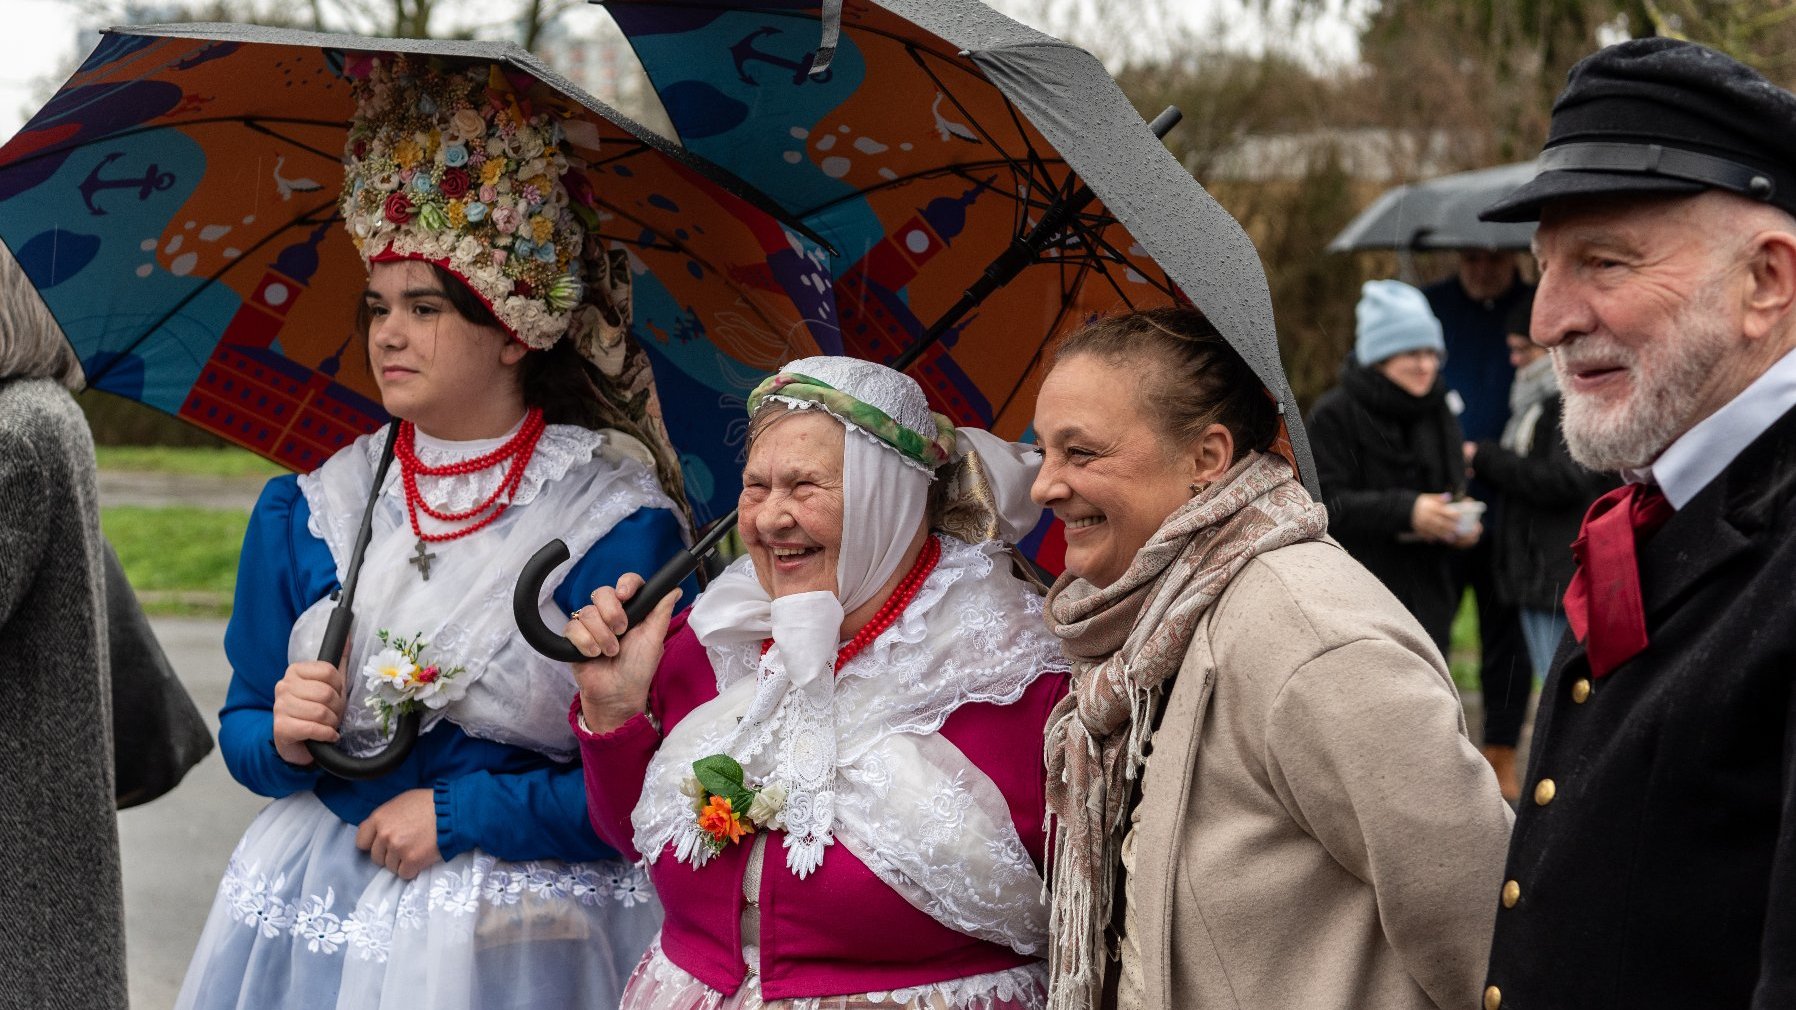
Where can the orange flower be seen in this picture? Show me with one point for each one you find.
(723, 824)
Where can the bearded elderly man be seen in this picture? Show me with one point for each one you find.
(1654, 861)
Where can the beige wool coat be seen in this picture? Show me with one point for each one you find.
(1315, 829)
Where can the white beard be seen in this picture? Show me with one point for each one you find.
(1667, 377)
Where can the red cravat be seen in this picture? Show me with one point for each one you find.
(1603, 602)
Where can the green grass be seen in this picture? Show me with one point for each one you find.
(226, 462)
(181, 561)
(1462, 652)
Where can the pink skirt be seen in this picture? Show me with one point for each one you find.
(659, 984)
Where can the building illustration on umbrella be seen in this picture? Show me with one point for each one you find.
(260, 399)
(878, 324)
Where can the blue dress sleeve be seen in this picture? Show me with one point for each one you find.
(283, 570)
(541, 813)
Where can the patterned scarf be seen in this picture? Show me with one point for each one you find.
(1125, 642)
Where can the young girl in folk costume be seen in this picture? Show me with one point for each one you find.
(470, 876)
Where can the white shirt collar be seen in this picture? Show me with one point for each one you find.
(1700, 454)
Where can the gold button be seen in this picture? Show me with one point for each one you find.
(1545, 791)
(1512, 893)
(1493, 997)
(1581, 690)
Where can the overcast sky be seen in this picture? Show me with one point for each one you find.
(38, 38)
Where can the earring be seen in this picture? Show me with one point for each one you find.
(1198, 487)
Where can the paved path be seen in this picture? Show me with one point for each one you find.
(175, 848)
(160, 490)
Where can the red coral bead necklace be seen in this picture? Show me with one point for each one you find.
(514, 453)
(888, 613)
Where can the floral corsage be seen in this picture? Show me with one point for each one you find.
(725, 808)
(399, 681)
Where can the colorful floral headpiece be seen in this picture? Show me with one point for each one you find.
(898, 422)
(449, 164)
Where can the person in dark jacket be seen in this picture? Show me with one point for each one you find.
(1474, 305)
(1545, 494)
(1388, 454)
(1653, 866)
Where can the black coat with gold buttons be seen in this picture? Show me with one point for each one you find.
(1654, 860)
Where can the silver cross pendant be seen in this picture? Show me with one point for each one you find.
(422, 560)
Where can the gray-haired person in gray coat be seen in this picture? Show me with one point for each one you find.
(61, 900)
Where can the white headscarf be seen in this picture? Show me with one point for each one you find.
(858, 754)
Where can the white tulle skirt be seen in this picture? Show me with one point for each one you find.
(304, 919)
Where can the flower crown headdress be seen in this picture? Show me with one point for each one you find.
(449, 164)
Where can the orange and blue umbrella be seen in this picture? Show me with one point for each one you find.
(175, 203)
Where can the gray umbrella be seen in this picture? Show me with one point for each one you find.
(921, 138)
(1440, 213)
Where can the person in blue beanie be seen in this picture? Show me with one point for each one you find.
(1388, 452)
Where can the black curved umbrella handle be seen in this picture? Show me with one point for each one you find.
(334, 759)
(536, 571)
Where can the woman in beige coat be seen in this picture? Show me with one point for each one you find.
(1312, 828)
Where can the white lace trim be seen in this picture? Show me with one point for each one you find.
(660, 984)
(272, 907)
(903, 799)
(560, 449)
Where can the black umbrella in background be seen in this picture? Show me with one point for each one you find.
(1440, 213)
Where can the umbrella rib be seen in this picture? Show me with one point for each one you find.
(1066, 302)
(963, 169)
(256, 125)
(305, 220)
(1035, 157)
(684, 250)
(134, 131)
(971, 119)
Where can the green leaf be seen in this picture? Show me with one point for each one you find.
(720, 775)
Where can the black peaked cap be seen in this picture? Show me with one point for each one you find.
(1662, 116)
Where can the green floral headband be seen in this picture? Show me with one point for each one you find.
(927, 452)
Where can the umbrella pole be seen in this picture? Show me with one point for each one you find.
(329, 756)
(1019, 254)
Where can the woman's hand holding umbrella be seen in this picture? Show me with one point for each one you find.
(614, 683)
(308, 705)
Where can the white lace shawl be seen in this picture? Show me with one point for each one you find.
(576, 487)
(902, 798)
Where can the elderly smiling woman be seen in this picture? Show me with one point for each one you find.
(832, 762)
(1313, 828)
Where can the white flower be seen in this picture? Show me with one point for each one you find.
(586, 885)
(451, 894)
(318, 925)
(769, 802)
(370, 931)
(502, 887)
(692, 789)
(445, 689)
(632, 888)
(391, 668)
(542, 881)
